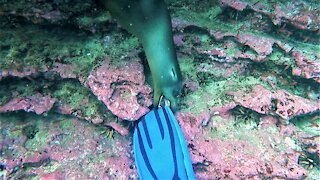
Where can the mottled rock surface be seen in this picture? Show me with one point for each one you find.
(249, 107)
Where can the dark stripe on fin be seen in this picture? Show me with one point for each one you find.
(173, 147)
(159, 123)
(144, 124)
(144, 155)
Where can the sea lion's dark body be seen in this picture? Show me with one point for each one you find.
(150, 21)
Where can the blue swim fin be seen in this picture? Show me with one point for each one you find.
(160, 149)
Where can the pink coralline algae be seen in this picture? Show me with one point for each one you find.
(217, 54)
(309, 69)
(52, 16)
(53, 175)
(180, 24)
(119, 164)
(312, 143)
(191, 85)
(263, 46)
(219, 35)
(235, 164)
(278, 102)
(27, 71)
(122, 89)
(122, 130)
(64, 70)
(193, 123)
(63, 108)
(301, 19)
(232, 158)
(38, 104)
(302, 22)
(237, 5)
(178, 40)
(80, 151)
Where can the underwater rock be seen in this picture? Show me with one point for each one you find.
(63, 148)
(180, 24)
(263, 46)
(237, 5)
(296, 14)
(122, 89)
(311, 143)
(26, 71)
(82, 150)
(219, 35)
(302, 22)
(220, 150)
(121, 165)
(38, 103)
(65, 70)
(241, 55)
(53, 175)
(178, 40)
(309, 69)
(63, 108)
(230, 160)
(191, 123)
(217, 54)
(52, 16)
(117, 127)
(53, 12)
(191, 85)
(278, 102)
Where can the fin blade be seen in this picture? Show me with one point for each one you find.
(160, 150)
(184, 147)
